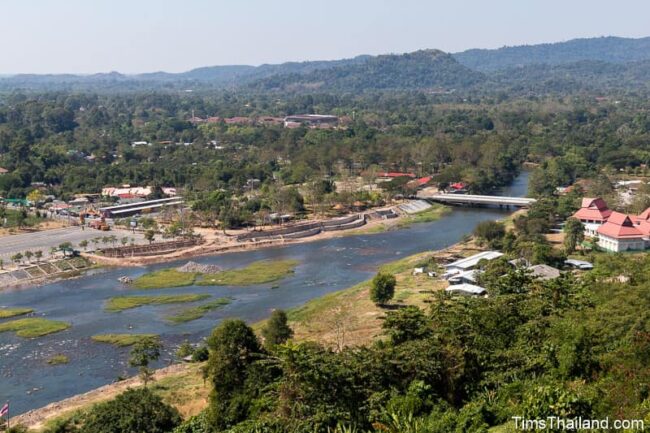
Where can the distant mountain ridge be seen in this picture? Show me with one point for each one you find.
(582, 63)
(609, 49)
(417, 70)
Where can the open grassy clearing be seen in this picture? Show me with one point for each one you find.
(13, 312)
(122, 340)
(261, 272)
(348, 317)
(32, 327)
(165, 278)
(121, 303)
(193, 313)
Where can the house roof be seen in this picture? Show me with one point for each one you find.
(544, 272)
(471, 261)
(466, 289)
(3, 170)
(619, 226)
(593, 209)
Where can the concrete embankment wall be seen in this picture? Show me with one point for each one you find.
(305, 230)
(149, 250)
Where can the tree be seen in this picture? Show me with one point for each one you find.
(233, 348)
(277, 331)
(124, 241)
(38, 254)
(383, 288)
(490, 232)
(135, 410)
(35, 196)
(406, 324)
(143, 353)
(84, 244)
(17, 258)
(150, 235)
(573, 234)
(28, 255)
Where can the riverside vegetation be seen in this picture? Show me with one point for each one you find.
(261, 272)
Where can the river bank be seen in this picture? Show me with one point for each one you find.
(219, 244)
(325, 266)
(344, 318)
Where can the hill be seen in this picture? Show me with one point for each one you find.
(606, 49)
(426, 69)
(226, 76)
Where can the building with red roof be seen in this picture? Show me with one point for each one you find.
(620, 233)
(592, 214)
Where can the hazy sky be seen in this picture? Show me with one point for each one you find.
(83, 36)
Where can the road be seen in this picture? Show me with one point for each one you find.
(44, 240)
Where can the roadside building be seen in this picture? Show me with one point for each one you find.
(3, 171)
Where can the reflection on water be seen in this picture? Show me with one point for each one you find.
(325, 266)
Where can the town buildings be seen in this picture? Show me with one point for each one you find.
(615, 231)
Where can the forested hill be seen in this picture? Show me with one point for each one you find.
(426, 69)
(606, 49)
(226, 76)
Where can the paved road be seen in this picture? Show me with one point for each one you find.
(44, 240)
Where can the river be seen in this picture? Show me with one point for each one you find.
(325, 266)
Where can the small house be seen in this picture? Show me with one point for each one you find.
(466, 290)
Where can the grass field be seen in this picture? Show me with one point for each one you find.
(13, 312)
(261, 272)
(121, 303)
(32, 327)
(121, 340)
(58, 360)
(349, 318)
(165, 278)
(197, 312)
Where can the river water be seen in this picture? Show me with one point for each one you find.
(325, 266)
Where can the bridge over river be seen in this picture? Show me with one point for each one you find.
(478, 200)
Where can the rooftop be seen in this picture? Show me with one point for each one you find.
(466, 289)
(472, 261)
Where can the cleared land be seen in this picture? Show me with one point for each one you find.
(32, 327)
(122, 340)
(194, 313)
(121, 303)
(13, 312)
(349, 318)
(261, 272)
